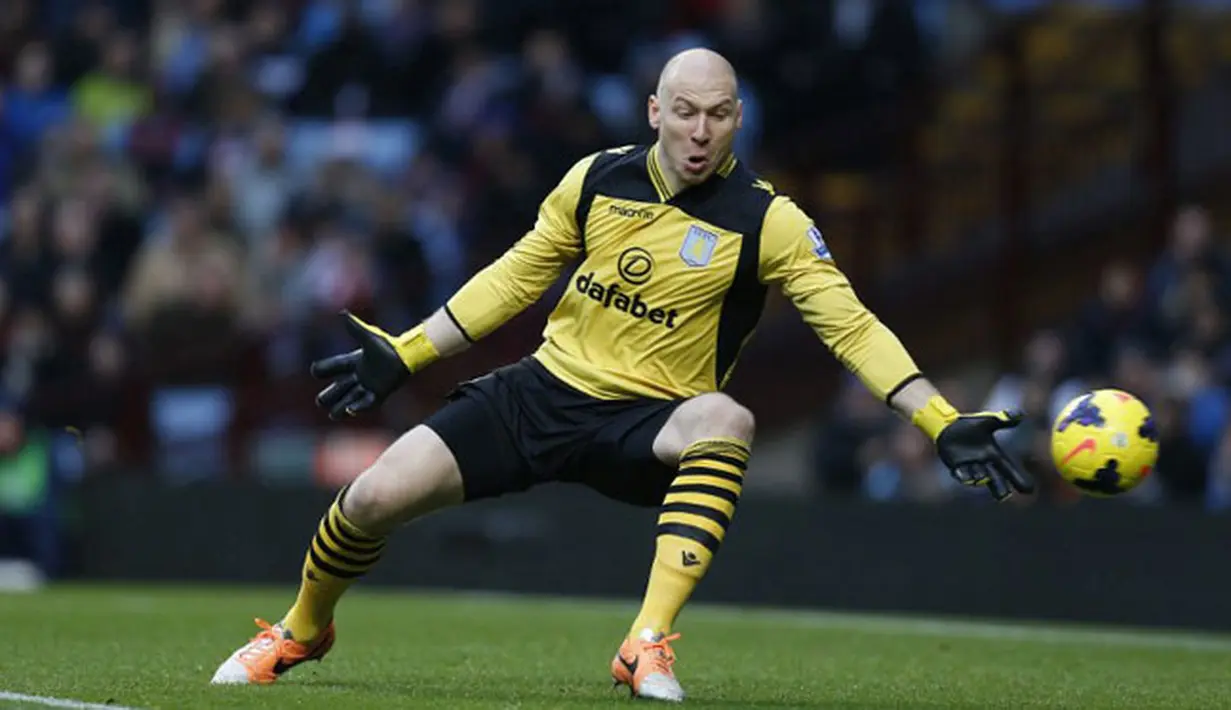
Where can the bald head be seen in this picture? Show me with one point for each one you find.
(696, 112)
(697, 68)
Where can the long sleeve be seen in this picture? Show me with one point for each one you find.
(794, 257)
(522, 274)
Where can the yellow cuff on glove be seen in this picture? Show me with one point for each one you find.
(415, 349)
(934, 416)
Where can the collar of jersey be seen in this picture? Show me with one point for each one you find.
(662, 187)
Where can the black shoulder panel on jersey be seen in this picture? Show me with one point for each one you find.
(736, 203)
(620, 173)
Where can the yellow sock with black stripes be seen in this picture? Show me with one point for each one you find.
(695, 514)
(338, 555)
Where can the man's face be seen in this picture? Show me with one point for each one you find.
(696, 123)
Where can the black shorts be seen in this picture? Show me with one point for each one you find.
(520, 426)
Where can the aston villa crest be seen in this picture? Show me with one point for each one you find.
(698, 247)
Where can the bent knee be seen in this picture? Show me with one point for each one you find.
(374, 501)
(723, 416)
(414, 476)
(362, 504)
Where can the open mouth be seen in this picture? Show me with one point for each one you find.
(696, 163)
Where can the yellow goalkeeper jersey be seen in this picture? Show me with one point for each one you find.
(669, 287)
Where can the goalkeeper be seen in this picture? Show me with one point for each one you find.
(676, 245)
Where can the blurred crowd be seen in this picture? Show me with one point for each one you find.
(1161, 334)
(192, 189)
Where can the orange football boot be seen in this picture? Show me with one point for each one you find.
(644, 665)
(269, 654)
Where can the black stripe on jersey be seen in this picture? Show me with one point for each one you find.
(619, 174)
(741, 309)
(705, 537)
(745, 299)
(730, 203)
(734, 203)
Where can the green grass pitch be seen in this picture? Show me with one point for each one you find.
(152, 647)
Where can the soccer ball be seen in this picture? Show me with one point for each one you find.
(1104, 442)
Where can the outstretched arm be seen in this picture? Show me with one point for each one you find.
(794, 256)
(519, 277)
(509, 285)
(497, 293)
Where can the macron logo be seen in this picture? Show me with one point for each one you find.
(631, 212)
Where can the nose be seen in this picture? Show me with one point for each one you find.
(701, 132)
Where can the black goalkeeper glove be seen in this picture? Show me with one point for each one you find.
(967, 445)
(363, 378)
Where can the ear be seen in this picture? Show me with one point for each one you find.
(739, 114)
(654, 112)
